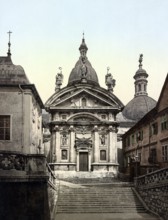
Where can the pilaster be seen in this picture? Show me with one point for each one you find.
(72, 143)
(112, 148)
(57, 144)
(96, 144)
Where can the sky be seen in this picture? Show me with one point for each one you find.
(46, 35)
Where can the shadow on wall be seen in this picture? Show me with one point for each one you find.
(26, 201)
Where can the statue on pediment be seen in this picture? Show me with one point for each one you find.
(110, 82)
(59, 79)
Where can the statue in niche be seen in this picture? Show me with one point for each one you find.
(64, 139)
(102, 139)
(110, 82)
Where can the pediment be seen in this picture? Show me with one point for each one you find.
(76, 99)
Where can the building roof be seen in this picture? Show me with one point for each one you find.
(75, 75)
(141, 104)
(138, 107)
(10, 73)
(83, 70)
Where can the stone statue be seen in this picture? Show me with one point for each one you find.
(59, 79)
(83, 69)
(110, 82)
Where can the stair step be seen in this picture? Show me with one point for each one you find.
(98, 200)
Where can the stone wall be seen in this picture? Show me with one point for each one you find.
(153, 188)
(29, 190)
(27, 201)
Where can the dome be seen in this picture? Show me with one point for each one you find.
(138, 107)
(75, 75)
(83, 71)
(10, 73)
(140, 72)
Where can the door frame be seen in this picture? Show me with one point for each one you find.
(89, 159)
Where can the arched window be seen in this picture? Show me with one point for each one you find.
(83, 102)
(64, 155)
(102, 155)
(139, 87)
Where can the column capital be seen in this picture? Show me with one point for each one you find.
(112, 129)
(71, 128)
(95, 128)
(56, 128)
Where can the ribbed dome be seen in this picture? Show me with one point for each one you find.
(75, 75)
(138, 107)
(10, 73)
(141, 72)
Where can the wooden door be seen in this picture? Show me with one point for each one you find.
(83, 161)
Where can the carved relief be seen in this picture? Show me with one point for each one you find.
(8, 162)
(83, 129)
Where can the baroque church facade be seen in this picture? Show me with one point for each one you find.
(83, 121)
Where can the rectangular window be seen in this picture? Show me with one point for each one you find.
(133, 139)
(64, 117)
(128, 141)
(153, 129)
(4, 127)
(102, 155)
(103, 116)
(164, 122)
(152, 156)
(139, 136)
(165, 153)
(64, 155)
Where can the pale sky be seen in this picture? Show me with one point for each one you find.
(47, 34)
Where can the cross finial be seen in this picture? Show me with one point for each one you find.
(9, 32)
(9, 43)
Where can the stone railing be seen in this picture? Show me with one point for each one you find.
(24, 164)
(52, 177)
(153, 189)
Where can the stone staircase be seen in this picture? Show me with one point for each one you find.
(95, 199)
(98, 200)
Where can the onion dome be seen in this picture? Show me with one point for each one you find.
(141, 104)
(83, 71)
(10, 73)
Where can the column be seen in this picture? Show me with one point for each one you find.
(112, 148)
(72, 143)
(96, 144)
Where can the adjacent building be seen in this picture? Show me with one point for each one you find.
(20, 119)
(147, 141)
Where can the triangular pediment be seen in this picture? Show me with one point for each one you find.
(92, 97)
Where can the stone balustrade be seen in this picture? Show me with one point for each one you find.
(153, 188)
(19, 164)
(52, 177)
